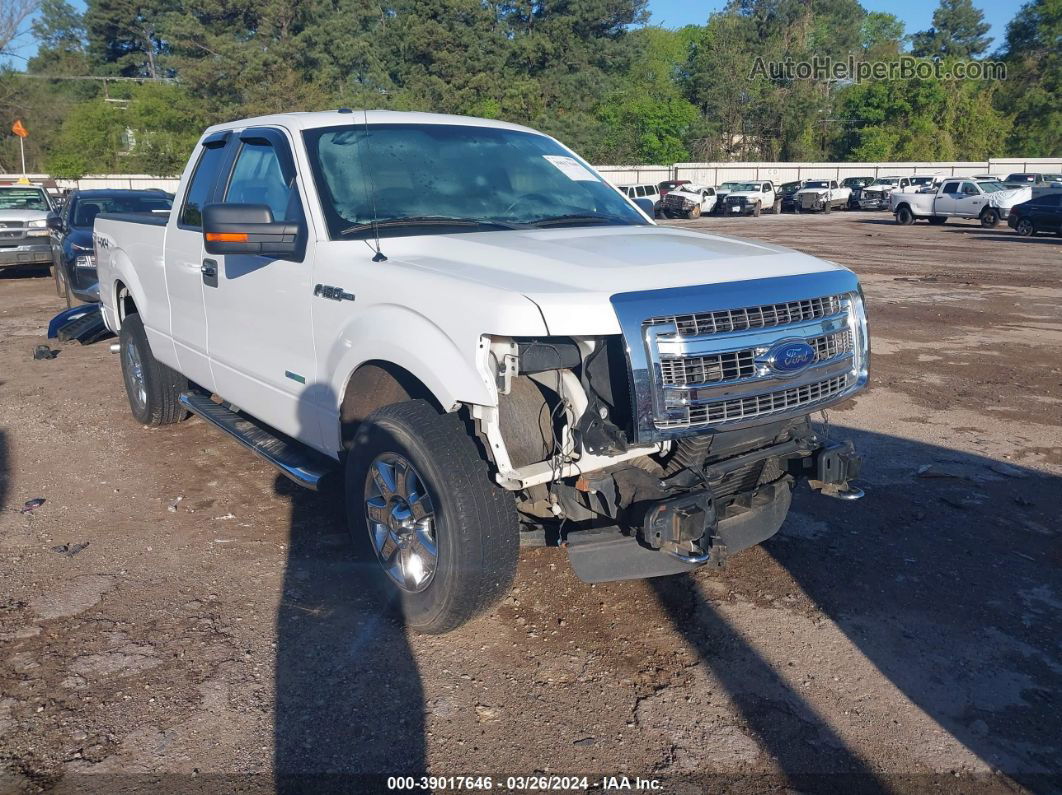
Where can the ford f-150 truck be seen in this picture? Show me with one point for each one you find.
(986, 200)
(482, 337)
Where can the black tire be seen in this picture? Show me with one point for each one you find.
(1025, 227)
(826, 208)
(62, 285)
(695, 212)
(755, 211)
(476, 531)
(937, 220)
(153, 394)
(989, 218)
(904, 215)
(796, 208)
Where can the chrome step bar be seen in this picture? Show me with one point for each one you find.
(303, 465)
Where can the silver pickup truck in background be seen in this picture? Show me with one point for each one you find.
(24, 233)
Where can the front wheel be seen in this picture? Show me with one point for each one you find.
(1025, 228)
(826, 208)
(421, 501)
(694, 212)
(989, 218)
(152, 387)
(756, 211)
(62, 284)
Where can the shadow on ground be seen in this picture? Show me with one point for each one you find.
(947, 580)
(349, 701)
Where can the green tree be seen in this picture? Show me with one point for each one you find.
(958, 32)
(124, 36)
(1033, 88)
(60, 34)
(881, 33)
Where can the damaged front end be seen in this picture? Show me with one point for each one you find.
(678, 443)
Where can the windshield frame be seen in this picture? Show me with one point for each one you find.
(340, 228)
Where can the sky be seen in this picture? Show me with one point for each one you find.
(916, 15)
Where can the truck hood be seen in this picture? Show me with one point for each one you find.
(22, 215)
(571, 274)
(748, 194)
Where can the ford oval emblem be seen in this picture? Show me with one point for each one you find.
(790, 356)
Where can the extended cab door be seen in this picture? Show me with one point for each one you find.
(260, 331)
(970, 201)
(944, 203)
(184, 258)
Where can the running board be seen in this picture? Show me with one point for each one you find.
(294, 460)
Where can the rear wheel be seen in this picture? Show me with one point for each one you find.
(152, 387)
(904, 215)
(1025, 227)
(420, 500)
(989, 218)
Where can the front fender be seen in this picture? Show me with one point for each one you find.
(397, 334)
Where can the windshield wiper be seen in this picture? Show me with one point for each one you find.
(427, 220)
(577, 219)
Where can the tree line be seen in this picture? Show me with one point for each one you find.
(591, 72)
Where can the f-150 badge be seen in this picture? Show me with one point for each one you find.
(334, 293)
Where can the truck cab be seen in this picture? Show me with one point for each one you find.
(510, 347)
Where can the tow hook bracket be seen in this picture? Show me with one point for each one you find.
(835, 464)
(680, 522)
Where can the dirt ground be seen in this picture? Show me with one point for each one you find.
(215, 632)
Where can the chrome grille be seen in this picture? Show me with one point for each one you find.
(753, 406)
(698, 364)
(708, 369)
(736, 365)
(752, 317)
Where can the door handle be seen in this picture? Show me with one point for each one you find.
(209, 269)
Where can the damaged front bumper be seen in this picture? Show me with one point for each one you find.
(681, 533)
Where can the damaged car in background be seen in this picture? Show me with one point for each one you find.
(542, 360)
(820, 195)
(688, 201)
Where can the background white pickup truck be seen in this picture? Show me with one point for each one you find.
(986, 200)
(511, 346)
(751, 198)
(688, 201)
(821, 194)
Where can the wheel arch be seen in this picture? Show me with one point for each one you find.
(373, 385)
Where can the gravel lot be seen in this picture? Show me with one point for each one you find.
(216, 624)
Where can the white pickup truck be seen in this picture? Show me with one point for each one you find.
(466, 323)
(821, 194)
(986, 200)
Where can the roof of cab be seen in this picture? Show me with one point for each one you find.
(309, 120)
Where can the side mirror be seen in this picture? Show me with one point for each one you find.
(247, 229)
(54, 222)
(646, 206)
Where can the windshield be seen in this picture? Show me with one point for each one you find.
(817, 184)
(85, 208)
(921, 180)
(1021, 178)
(419, 177)
(991, 186)
(730, 186)
(743, 186)
(884, 182)
(856, 182)
(23, 199)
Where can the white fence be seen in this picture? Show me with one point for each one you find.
(703, 173)
(718, 173)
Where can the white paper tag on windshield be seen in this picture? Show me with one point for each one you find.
(571, 168)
